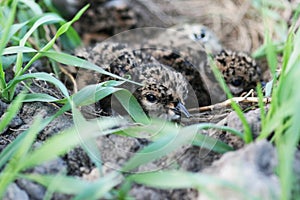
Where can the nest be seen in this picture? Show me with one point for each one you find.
(237, 23)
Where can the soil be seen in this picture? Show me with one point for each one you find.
(239, 27)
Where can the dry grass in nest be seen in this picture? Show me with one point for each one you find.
(237, 23)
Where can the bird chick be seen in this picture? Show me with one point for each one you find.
(164, 90)
(174, 47)
(201, 34)
(240, 71)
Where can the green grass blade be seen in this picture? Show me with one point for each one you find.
(200, 140)
(92, 93)
(18, 49)
(261, 105)
(294, 57)
(81, 188)
(36, 9)
(71, 40)
(67, 139)
(47, 18)
(44, 19)
(49, 45)
(11, 170)
(169, 179)
(170, 139)
(10, 150)
(3, 42)
(11, 112)
(262, 50)
(15, 28)
(88, 95)
(53, 147)
(271, 54)
(100, 187)
(283, 119)
(88, 144)
(275, 121)
(132, 106)
(58, 183)
(41, 76)
(247, 130)
(287, 51)
(288, 134)
(78, 62)
(269, 88)
(5, 34)
(213, 144)
(41, 97)
(174, 179)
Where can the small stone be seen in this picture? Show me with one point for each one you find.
(251, 169)
(33, 190)
(15, 122)
(13, 192)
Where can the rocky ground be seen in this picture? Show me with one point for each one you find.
(239, 27)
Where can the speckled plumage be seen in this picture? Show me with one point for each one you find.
(240, 71)
(160, 95)
(185, 47)
(185, 58)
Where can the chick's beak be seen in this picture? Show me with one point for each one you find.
(181, 108)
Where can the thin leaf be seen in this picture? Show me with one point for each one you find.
(83, 189)
(49, 45)
(36, 9)
(71, 40)
(42, 76)
(269, 88)
(271, 54)
(47, 18)
(248, 134)
(100, 187)
(261, 105)
(151, 131)
(132, 106)
(41, 97)
(67, 139)
(74, 184)
(4, 40)
(7, 153)
(170, 179)
(92, 93)
(5, 35)
(18, 49)
(11, 170)
(181, 179)
(11, 112)
(211, 143)
(78, 62)
(16, 27)
(11, 149)
(172, 138)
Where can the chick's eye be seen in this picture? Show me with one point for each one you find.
(200, 36)
(151, 98)
(236, 82)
